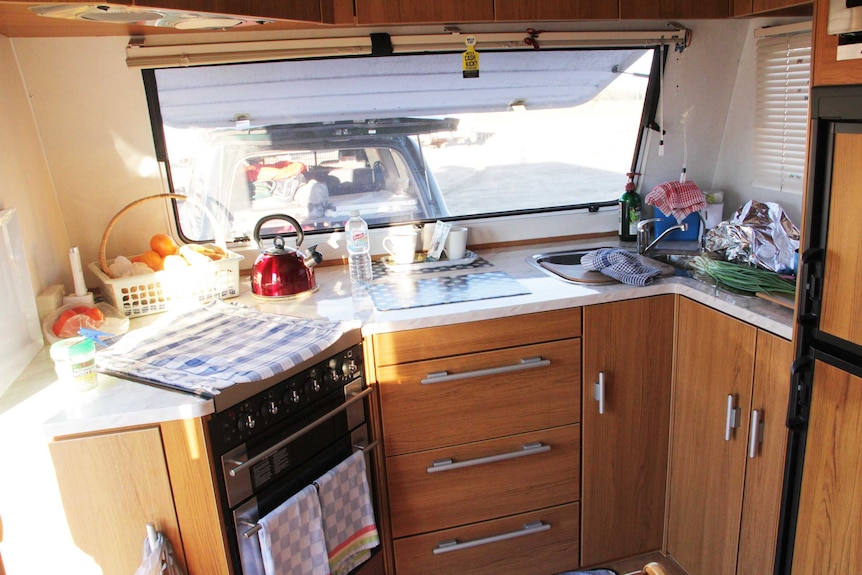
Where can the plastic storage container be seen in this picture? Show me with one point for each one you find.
(358, 251)
(692, 233)
(75, 362)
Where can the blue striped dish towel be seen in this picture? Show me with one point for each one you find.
(215, 346)
(291, 537)
(620, 265)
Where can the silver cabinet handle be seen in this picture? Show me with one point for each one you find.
(526, 449)
(599, 392)
(756, 434)
(454, 545)
(732, 421)
(525, 363)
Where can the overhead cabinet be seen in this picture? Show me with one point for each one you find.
(555, 10)
(439, 11)
(649, 9)
(299, 10)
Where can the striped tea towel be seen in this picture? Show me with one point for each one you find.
(621, 265)
(348, 515)
(291, 537)
(677, 199)
(215, 346)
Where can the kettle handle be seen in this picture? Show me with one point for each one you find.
(300, 235)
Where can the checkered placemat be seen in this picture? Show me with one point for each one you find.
(409, 293)
(382, 270)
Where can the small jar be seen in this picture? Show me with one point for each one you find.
(75, 362)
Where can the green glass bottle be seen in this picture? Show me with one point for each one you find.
(629, 208)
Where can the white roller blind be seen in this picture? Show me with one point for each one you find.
(781, 116)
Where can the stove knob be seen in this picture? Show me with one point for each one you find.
(246, 421)
(349, 368)
(333, 375)
(292, 396)
(312, 386)
(270, 407)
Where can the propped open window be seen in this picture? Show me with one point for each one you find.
(402, 138)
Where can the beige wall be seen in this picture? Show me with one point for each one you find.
(92, 117)
(25, 179)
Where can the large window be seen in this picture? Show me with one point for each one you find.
(401, 138)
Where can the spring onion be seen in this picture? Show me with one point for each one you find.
(743, 277)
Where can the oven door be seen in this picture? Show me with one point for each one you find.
(261, 474)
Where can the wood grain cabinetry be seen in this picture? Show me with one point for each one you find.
(826, 69)
(649, 9)
(440, 11)
(782, 7)
(482, 441)
(730, 390)
(555, 10)
(625, 426)
(113, 484)
(841, 304)
(829, 525)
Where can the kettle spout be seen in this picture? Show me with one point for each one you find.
(312, 257)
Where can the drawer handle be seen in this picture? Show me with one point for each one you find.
(526, 449)
(525, 363)
(756, 434)
(454, 545)
(599, 392)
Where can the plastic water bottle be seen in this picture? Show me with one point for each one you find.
(358, 251)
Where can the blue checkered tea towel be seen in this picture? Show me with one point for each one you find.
(620, 265)
(292, 539)
(215, 346)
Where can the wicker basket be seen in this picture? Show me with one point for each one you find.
(163, 290)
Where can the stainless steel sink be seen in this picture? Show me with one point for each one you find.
(566, 266)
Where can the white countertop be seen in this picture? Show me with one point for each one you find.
(117, 403)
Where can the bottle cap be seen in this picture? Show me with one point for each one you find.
(354, 213)
(72, 348)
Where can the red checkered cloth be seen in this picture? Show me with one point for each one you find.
(677, 199)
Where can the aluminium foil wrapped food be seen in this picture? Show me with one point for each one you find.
(758, 234)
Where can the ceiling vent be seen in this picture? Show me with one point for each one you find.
(131, 15)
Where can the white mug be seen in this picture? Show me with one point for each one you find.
(401, 246)
(456, 243)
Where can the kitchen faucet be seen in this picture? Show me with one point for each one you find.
(644, 229)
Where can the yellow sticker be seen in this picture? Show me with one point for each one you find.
(470, 59)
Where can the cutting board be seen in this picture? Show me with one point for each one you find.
(578, 273)
(21, 335)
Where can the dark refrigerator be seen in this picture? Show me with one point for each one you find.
(821, 516)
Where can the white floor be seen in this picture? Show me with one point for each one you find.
(36, 540)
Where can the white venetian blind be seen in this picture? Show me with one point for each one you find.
(781, 113)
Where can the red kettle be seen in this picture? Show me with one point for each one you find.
(283, 271)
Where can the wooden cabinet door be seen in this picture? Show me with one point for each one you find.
(400, 12)
(764, 472)
(634, 9)
(842, 298)
(555, 10)
(113, 485)
(826, 69)
(625, 448)
(714, 362)
(829, 525)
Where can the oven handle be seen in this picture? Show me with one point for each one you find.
(264, 454)
(255, 527)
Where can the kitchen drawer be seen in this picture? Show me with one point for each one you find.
(542, 551)
(534, 395)
(544, 470)
(449, 340)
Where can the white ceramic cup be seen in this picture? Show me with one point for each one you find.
(456, 243)
(401, 246)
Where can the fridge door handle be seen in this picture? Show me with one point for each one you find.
(756, 434)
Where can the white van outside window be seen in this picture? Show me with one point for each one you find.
(405, 139)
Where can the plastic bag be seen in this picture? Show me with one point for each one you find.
(158, 560)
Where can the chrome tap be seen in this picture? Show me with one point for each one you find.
(644, 234)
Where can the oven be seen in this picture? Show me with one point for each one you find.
(272, 444)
